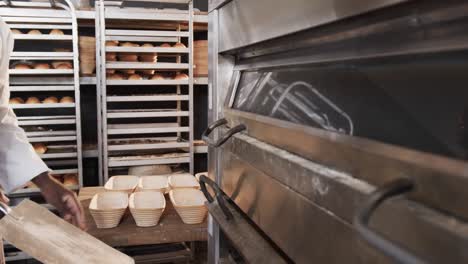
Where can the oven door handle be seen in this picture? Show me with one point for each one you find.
(220, 197)
(362, 218)
(223, 138)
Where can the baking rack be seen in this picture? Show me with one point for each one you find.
(57, 125)
(150, 134)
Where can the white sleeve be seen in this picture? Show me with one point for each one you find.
(19, 163)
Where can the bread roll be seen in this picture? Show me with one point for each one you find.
(147, 72)
(148, 57)
(16, 100)
(129, 72)
(64, 66)
(129, 44)
(21, 66)
(128, 57)
(58, 178)
(70, 179)
(165, 45)
(111, 56)
(112, 43)
(181, 76)
(34, 32)
(67, 99)
(42, 66)
(50, 100)
(56, 32)
(55, 64)
(40, 148)
(16, 31)
(33, 100)
(135, 77)
(157, 77)
(110, 71)
(115, 77)
(179, 45)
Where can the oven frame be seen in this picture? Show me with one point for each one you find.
(339, 152)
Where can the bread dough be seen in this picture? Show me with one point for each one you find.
(50, 100)
(67, 99)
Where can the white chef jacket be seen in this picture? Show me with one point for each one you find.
(19, 163)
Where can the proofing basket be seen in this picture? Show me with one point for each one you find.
(157, 183)
(107, 208)
(184, 180)
(189, 204)
(147, 208)
(122, 183)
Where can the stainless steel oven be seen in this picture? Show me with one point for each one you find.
(338, 131)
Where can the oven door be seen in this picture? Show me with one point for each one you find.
(352, 155)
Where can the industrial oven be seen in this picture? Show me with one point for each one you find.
(338, 131)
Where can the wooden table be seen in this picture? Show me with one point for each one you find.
(170, 229)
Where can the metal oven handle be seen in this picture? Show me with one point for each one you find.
(223, 138)
(220, 197)
(361, 221)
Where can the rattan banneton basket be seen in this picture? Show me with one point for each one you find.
(107, 208)
(189, 204)
(122, 183)
(147, 207)
(157, 183)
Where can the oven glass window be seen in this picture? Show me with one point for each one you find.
(418, 104)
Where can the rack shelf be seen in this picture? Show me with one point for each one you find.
(33, 88)
(144, 65)
(39, 72)
(147, 113)
(42, 37)
(37, 106)
(176, 158)
(148, 82)
(148, 98)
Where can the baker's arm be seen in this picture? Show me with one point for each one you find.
(19, 163)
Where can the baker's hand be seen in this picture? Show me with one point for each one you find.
(3, 198)
(61, 198)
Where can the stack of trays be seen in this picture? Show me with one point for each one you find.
(108, 208)
(158, 183)
(147, 207)
(122, 183)
(189, 204)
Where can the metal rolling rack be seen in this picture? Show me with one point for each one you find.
(64, 118)
(164, 138)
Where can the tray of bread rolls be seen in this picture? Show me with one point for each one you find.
(130, 63)
(41, 67)
(41, 34)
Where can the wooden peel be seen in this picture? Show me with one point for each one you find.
(46, 237)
